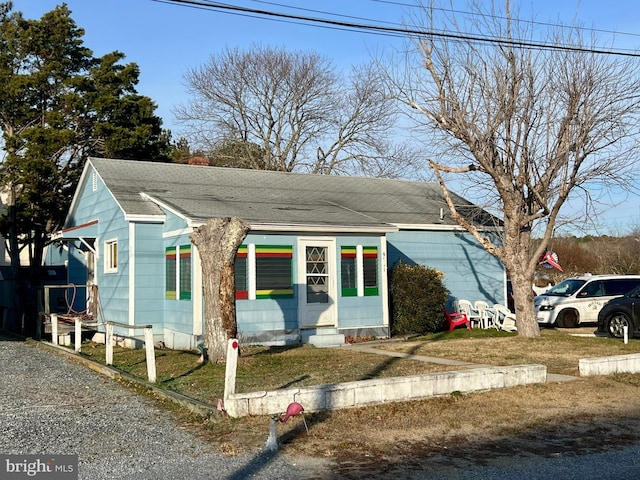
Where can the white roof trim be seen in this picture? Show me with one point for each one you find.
(149, 198)
(132, 217)
(325, 229)
(438, 226)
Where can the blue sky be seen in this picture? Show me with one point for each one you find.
(166, 40)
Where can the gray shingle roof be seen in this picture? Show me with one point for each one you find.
(266, 197)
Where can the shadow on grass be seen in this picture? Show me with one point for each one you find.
(185, 374)
(461, 333)
(381, 367)
(272, 350)
(302, 378)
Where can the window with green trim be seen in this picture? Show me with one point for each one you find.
(359, 271)
(348, 271)
(185, 272)
(241, 273)
(370, 270)
(274, 275)
(178, 273)
(170, 271)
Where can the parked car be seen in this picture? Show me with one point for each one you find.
(620, 312)
(578, 300)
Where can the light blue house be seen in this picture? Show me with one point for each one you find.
(314, 264)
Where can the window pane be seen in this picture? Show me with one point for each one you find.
(348, 271)
(111, 256)
(273, 273)
(170, 273)
(185, 272)
(240, 269)
(370, 270)
(317, 290)
(317, 275)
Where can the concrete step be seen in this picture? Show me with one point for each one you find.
(322, 337)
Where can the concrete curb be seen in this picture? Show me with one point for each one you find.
(609, 365)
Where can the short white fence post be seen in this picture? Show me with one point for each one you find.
(109, 345)
(78, 335)
(54, 328)
(231, 367)
(151, 357)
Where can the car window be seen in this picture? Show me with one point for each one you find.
(621, 286)
(593, 289)
(635, 293)
(565, 288)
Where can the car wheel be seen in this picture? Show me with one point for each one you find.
(616, 325)
(568, 319)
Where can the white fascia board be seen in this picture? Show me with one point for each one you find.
(270, 227)
(441, 227)
(323, 229)
(177, 233)
(132, 217)
(164, 206)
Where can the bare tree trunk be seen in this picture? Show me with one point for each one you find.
(217, 242)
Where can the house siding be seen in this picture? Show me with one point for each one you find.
(114, 287)
(270, 320)
(355, 312)
(469, 271)
(149, 275)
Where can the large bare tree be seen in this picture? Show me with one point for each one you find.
(217, 242)
(528, 128)
(298, 110)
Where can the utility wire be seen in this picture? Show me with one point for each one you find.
(531, 22)
(389, 30)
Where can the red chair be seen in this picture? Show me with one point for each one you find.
(456, 319)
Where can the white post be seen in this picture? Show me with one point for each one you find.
(109, 345)
(625, 330)
(151, 357)
(230, 371)
(54, 328)
(78, 334)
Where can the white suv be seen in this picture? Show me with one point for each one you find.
(578, 300)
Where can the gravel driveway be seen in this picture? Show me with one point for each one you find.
(49, 405)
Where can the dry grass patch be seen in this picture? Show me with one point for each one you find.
(397, 431)
(262, 368)
(559, 350)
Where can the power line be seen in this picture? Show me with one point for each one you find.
(531, 22)
(387, 30)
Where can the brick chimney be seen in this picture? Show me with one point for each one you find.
(202, 161)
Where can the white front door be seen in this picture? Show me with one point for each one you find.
(317, 283)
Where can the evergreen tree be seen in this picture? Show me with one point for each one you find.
(58, 105)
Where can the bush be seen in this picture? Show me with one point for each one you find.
(418, 297)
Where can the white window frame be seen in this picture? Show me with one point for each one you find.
(111, 255)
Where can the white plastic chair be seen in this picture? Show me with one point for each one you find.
(466, 307)
(505, 318)
(487, 314)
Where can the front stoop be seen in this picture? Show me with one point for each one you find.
(322, 337)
